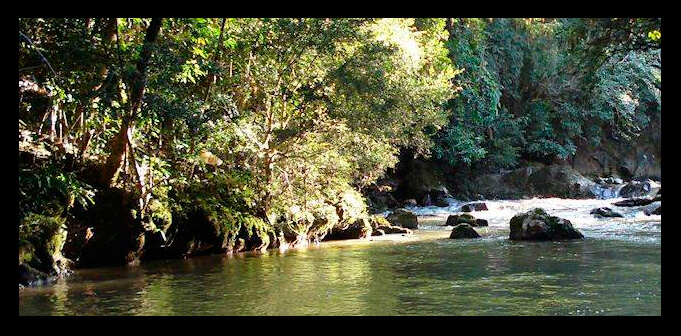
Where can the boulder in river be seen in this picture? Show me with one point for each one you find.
(382, 226)
(536, 224)
(478, 206)
(359, 229)
(463, 231)
(638, 188)
(404, 218)
(465, 218)
(657, 211)
(637, 201)
(453, 220)
(605, 212)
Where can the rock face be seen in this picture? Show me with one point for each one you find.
(536, 224)
(474, 207)
(605, 212)
(404, 218)
(536, 179)
(462, 231)
(638, 157)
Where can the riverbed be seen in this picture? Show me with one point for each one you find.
(614, 270)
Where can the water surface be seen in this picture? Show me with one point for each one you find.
(615, 270)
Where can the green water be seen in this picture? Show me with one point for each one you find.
(427, 274)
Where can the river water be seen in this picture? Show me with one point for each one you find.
(615, 270)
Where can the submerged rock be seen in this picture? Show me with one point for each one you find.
(404, 218)
(29, 276)
(463, 231)
(536, 224)
(479, 206)
(605, 212)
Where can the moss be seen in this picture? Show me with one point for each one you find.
(160, 214)
(377, 221)
(26, 252)
(41, 239)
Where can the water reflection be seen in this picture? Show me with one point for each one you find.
(615, 270)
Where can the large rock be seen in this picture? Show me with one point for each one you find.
(535, 179)
(639, 156)
(479, 206)
(41, 240)
(637, 201)
(463, 231)
(404, 218)
(381, 226)
(465, 218)
(453, 220)
(536, 224)
(638, 188)
(359, 229)
(561, 181)
(605, 212)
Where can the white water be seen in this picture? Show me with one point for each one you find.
(635, 225)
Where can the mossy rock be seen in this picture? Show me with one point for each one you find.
(536, 224)
(404, 218)
(359, 229)
(41, 240)
(377, 221)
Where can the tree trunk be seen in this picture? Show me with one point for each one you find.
(118, 143)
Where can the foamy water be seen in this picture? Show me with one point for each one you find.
(634, 225)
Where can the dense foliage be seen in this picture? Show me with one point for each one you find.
(272, 124)
(533, 88)
(274, 127)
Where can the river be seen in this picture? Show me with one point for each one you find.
(615, 270)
